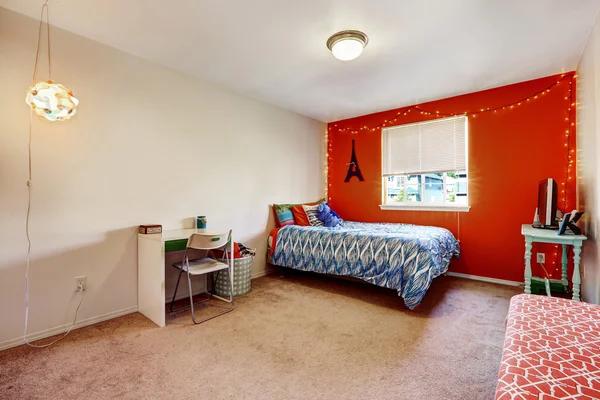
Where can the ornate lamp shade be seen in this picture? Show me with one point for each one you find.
(52, 101)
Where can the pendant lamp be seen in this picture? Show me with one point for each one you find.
(47, 99)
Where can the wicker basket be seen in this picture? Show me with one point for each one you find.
(242, 271)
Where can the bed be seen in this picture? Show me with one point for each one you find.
(397, 256)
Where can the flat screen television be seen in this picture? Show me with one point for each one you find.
(547, 201)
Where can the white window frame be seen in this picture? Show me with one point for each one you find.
(424, 205)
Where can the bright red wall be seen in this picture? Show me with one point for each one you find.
(510, 152)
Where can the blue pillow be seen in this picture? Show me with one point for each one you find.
(328, 216)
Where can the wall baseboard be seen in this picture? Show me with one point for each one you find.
(197, 291)
(63, 328)
(7, 344)
(485, 279)
(267, 271)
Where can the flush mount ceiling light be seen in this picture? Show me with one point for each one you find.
(347, 45)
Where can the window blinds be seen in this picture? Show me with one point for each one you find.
(425, 147)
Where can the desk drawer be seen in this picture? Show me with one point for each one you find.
(175, 245)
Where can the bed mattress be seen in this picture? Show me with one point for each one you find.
(397, 256)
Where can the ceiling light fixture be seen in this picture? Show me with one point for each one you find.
(47, 99)
(347, 45)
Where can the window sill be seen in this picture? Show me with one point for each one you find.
(424, 207)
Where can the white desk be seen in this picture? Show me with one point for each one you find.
(151, 267)
(550, 236)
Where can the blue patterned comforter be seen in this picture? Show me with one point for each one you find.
(396, 256)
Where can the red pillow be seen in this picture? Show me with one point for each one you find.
(300, 216)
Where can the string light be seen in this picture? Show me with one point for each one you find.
(437, 114)
(328, 147)
(568, 165)
(568, 140)
(403, 112)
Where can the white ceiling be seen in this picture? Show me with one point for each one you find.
(274, 50)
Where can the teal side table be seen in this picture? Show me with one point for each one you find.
(550, 236)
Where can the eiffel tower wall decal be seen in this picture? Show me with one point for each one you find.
(353, 168)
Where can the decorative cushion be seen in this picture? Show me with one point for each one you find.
(284, 214)
(275, 216)
(300, 216)
(312, 212)
(328, 216)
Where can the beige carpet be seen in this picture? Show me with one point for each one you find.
(300, 337)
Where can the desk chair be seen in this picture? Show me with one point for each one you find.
(204, 266)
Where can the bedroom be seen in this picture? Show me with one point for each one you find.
(224, 109)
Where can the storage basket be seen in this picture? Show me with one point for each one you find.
(242, 271)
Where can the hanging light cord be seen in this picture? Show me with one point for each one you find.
(37, 53)
(45, 6)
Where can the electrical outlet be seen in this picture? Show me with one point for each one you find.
(80, 284)
(541, 258)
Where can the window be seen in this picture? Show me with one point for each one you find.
(425, 165)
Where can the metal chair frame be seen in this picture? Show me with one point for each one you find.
(185, 267)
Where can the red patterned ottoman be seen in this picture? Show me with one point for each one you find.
(551, 350)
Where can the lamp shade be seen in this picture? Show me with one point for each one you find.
(52, 101)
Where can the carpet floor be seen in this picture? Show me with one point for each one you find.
(301, 336)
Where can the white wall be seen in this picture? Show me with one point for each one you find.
(148, 145)
(588, 168)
